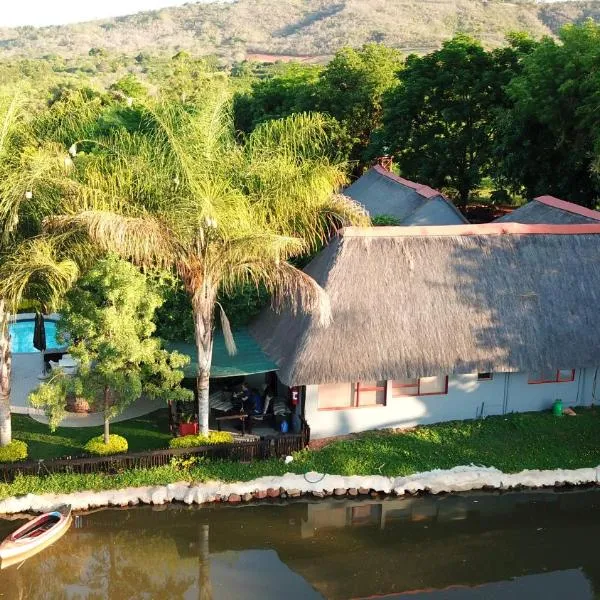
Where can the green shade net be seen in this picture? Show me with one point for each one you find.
(248, 360)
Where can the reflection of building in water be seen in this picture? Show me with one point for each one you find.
(440, 509)
(336, 549)
(558, 585)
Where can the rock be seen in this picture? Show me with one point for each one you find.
(273, 493)
(233, 498)
(352, 492)
(339, 491)
(318, 494)
(247, 497)
(363, 491)
(374, 494)
(294, 493)
(260, 494)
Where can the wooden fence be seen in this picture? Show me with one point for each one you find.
(244, 451)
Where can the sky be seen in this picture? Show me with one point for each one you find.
(56, 12)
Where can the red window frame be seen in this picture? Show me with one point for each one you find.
(418, 386)
(356, 389)
(556, 379)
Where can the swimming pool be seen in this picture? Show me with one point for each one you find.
(22, 335)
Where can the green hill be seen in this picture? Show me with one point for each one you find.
(310, 28)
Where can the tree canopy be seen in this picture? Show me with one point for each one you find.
(107, 321)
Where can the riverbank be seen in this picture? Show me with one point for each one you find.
(458, 479)
(511, 444)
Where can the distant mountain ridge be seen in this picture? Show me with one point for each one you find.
(307, 28)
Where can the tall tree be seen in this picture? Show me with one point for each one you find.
(352, 88)
(549, 136)
(439, 121)
(182, 194)
(108, 319)
(28, 265)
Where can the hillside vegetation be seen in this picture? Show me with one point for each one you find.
(314, 28)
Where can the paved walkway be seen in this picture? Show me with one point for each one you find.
(137, 409)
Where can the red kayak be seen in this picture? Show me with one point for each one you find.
(34, 536)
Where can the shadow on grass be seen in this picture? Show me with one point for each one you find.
(148, 432)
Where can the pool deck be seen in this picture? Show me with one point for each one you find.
(26, 370)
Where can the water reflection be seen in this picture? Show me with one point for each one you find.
(474, 546)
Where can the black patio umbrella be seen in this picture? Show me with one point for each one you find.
(39, 332)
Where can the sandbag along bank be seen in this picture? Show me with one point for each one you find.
(458, 479)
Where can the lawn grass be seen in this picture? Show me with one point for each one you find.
(511, 443)
(148, 432)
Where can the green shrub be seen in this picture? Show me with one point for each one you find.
(384, 220)
(191, 441)
(16, 450)
(116, 445)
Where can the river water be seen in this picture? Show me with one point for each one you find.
(476, 546)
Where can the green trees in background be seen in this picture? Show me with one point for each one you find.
(350, 89)
(107, 319)
(549, 138)
(440, 121)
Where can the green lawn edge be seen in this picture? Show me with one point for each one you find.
(510, 443)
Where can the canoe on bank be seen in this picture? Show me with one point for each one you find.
(34, 536)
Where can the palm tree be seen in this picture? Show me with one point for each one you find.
(28, 264)
(181, 193)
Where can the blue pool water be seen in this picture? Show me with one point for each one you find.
(22, 335)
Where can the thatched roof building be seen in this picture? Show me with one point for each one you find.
(383, 193)
(547, 209)
(423, 301)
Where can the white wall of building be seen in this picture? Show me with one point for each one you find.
(467, 398)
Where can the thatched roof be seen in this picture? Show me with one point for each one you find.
(547, 209)
(419, 301)
(383, 193)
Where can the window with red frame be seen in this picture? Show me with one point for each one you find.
(552, 376)
(355, 395)
(421, 386)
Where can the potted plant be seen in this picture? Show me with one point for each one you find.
(188, 425)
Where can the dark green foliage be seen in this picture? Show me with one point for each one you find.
(350, 89)
(439, 121)
(174, 319)
(548, 141)
(384, 220)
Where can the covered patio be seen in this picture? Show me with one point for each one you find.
(250, 372)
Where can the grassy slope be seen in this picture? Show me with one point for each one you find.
(513, 443)
(291, 27)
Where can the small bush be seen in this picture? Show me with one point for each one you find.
(16, 450)
(116, 445)
(191, 441)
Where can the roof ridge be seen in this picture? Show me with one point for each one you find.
(568, 207)
(423, 190)
(507, 228)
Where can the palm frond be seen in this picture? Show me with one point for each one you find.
(35, 269)
(227, 333)
(146, 241)
(288, 287)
